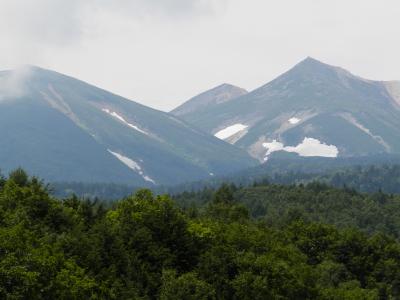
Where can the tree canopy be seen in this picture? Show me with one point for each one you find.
(148, 247)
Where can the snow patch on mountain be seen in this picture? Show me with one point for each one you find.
(309, 147)
(230, 131)
(313, 147)
(122, 119)
(130, 163)
(294, 120)
(273, 147)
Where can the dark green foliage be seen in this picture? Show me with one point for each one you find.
(224, 195)
(145, 247)
(187, 286)
(278, 205)
(366, 174)
(19, 177)
(104, 191)
(369, 174)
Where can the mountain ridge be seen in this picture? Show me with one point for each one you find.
(217, 95)
(311, 106)
(113, 139)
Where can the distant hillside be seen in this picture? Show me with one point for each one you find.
(314, 109)
(62, 129)
(367, 174)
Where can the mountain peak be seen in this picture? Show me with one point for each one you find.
(313, 63)
(27, 72)
(225, 87)
(220, 94)
(311, 60)
(228, 86)
(313, 68)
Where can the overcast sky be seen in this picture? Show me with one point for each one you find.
(162, 52)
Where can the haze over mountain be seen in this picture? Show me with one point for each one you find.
(63, 129)
(314, 109)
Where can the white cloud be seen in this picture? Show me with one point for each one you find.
(30, 28)
(162, 52)
(12, 84)
(171, 8)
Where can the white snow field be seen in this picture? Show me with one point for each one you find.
(309, 147)
(229, 131)
(130, 163)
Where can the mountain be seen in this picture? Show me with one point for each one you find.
(63, 129)
(314, 109)
(207, 100)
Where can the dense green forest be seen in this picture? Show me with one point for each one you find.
(277, 205)
(261, 242)
(99, 190)
(363, 178)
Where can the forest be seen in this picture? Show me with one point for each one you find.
(361, 177)
(263, 241)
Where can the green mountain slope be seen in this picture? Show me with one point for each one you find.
(63, 129)
(314, 109)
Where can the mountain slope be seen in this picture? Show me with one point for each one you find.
(314, 109)
(207, 100)
(63, 129)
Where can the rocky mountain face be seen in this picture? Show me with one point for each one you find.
(63, 129)
(314, 109)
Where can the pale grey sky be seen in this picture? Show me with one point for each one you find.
(162, 52)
